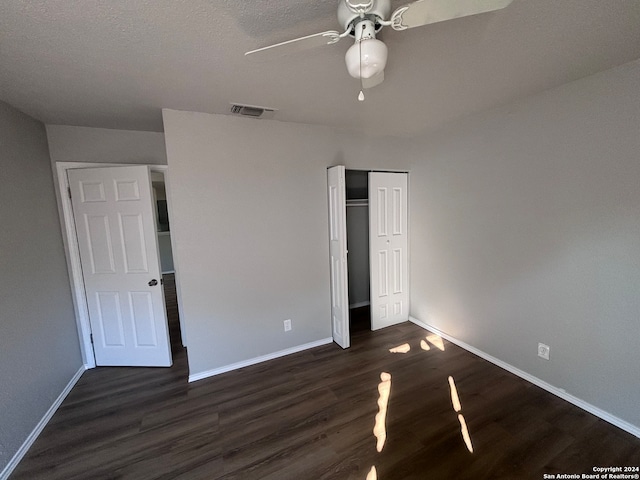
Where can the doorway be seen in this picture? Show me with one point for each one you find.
(160, 228)
(369, 205)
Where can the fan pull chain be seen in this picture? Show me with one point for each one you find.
(361, 94)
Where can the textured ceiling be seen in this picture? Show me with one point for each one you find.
(117, 63)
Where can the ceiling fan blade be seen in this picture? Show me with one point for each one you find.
(424, 12)
(377, 79)
(292, 46)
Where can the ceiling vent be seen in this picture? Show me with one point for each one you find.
(252, 111)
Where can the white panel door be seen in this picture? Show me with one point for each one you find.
(338, 254)
(115, 224)
(388, 246)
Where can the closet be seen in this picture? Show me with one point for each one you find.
(368, 246)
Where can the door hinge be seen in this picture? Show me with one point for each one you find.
(91, 337)
(69, 191)
(161, 281)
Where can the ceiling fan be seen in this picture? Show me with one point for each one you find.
(367, 57)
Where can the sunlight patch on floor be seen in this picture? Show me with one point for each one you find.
(436, 341)
(380, 429)
(457, 406)
(372, 475)
(455, 400)
(384, 391)
(404, 348)
(465, 432)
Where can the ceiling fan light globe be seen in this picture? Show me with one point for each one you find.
(366, 58)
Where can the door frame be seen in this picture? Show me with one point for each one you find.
(72, 251)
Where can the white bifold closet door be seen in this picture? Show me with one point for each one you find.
(388, 248)
(338, 255)
(116, 228)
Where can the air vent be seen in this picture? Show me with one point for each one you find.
(252, 111)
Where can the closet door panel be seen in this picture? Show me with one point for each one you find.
(338, 253)
(388, 243)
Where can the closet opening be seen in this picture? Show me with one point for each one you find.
(357, 219)
(368, 246)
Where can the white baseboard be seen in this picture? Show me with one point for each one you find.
(606, 416)
(360, 304)
(263, 358)
(26, 445)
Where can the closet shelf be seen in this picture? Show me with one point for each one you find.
(358, 202)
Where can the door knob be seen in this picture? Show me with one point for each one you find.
(153, 283)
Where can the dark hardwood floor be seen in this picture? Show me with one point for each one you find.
(310, 416)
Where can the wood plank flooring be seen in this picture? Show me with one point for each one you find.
(310, 416)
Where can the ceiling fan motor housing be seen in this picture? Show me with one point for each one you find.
(347, 16)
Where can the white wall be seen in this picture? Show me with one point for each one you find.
(526, 228)
(250, 230)
(39, 351)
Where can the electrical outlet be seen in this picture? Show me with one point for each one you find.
(543, 351)
(287, 325)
